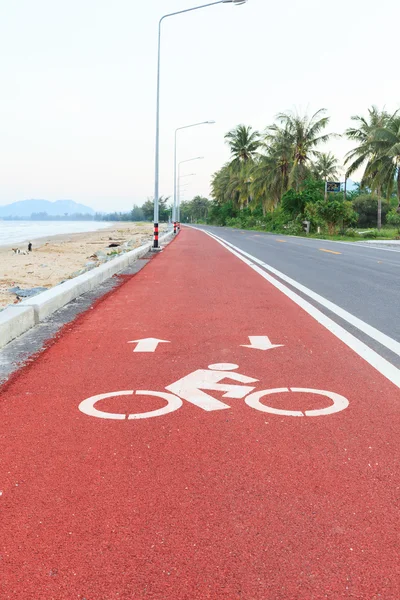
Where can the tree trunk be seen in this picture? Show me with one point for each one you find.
(398, 189)
(379, 209)
(326, 191)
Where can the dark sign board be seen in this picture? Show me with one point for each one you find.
(333, 186)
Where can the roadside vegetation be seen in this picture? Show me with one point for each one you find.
(275, 180)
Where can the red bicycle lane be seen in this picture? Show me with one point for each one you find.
(223, 504)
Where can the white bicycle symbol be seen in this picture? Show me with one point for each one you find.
(192, 389)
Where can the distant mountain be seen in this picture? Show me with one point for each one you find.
(24, 208)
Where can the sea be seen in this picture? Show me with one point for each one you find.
(15, 232)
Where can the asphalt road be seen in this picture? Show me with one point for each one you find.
(361, 279)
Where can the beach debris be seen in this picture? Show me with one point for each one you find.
(43, 265)
(27, 293)
(91, 265)
(19, 251)
(99, 255)
(114, 245)
(77, 273)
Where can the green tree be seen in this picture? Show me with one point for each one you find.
(164, 210)
(331, 211)
(393, 218)
(243, 143)
(366, 153)
(200, 207)
(148, 209)
(220, 213)
(386, 146)
(270, 171)
(239, 185)
(137, 213)
(305, 135)
(220, 184)
(366, 206)
(195, 210)
(326, 167)
(294, 202)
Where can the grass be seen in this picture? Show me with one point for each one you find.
(371, 234)
(386, 233)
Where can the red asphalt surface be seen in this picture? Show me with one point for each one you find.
(235, 504)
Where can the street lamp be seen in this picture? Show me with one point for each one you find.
(175, 154)
(185, 185)
(182, 187)
(178, 206)
(157, 149)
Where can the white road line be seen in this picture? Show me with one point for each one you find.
(370, 356)
(358, 244)
(364, 245)
(372, 332)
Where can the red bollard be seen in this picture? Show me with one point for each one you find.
(155, 245)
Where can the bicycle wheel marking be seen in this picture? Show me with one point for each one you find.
(339, 402)
(88, 406)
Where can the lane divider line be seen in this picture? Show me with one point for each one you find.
(379, 363)
(369, 330)
(355, 244)
(330, 251)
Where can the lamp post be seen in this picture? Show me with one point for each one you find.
(182, 177)
(157, 148)
(178, 205)
(174, 211)
(180, 188)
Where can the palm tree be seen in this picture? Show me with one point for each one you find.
(270, 172)
(326, 167)
(239, 185)
(244, 144)
(261, 187)
(305, 135)
(220, 184)
(279, 161)
(386, 146)
(366, 153)
(363, 134)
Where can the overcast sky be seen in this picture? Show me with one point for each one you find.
(77, 98)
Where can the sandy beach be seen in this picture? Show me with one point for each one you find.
(61, 257)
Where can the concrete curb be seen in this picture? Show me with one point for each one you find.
(377, 241)
(17, 319)
(14, 321)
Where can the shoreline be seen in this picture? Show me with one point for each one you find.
(57, 237)
(49, 235)
(64, 256)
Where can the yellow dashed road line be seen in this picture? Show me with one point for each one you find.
(330, 251)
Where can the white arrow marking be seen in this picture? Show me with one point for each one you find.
(147, 344)
(261, 342)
